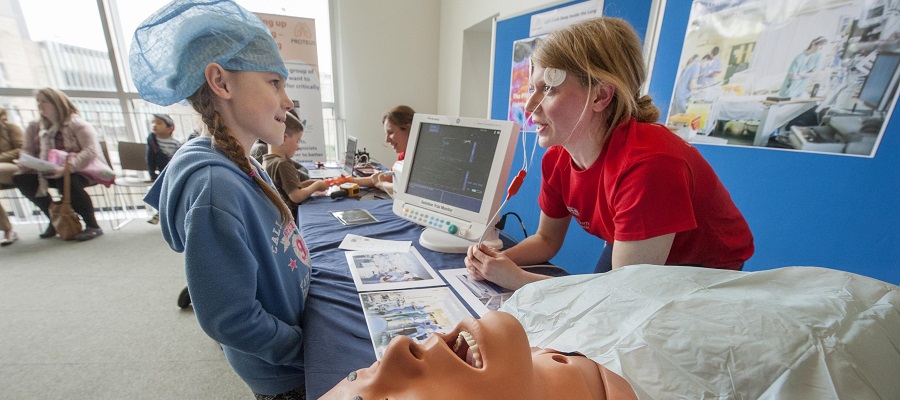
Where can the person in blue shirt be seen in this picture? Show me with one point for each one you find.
(802, 68)
(685, 85)
(710, 68)
(247, 266)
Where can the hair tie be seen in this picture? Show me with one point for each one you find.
(252, 173)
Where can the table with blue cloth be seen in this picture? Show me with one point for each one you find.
(336, 337)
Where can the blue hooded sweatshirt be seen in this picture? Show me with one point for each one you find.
(247, 271)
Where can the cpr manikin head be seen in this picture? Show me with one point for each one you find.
(487, 358)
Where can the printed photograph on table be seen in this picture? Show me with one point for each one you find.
(801, 75)
(414, 313)
(354, 217)
(374, 270)
(481, 296)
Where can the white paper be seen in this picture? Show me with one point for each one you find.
(36, 163)
(378, 270)
(362, 243)
(482, 296)
(415, 313)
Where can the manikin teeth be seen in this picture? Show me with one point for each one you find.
(473, 347)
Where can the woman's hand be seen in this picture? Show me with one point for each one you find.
(485, 263)
(55, 173)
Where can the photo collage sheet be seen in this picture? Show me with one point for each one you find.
(401, 294)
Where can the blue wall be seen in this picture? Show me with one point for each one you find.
(833, 211)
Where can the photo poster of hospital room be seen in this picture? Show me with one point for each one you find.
(805, 75)
(414, 313)
(390, 270)
(519, 78)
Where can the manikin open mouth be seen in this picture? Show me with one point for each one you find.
(467, 350)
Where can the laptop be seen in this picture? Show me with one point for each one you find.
(344, 170)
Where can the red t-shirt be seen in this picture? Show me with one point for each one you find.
(648, 182)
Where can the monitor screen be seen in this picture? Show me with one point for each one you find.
(454, 176)
(461, 163)
(878, 89)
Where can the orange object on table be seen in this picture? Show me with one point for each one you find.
(339, 180)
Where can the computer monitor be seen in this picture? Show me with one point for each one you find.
(880, 85)
(454, 179)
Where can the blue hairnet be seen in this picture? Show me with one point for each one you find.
(171, 49)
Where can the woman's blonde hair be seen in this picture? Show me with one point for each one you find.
(63, 104)
(202, 102)
(602, 51)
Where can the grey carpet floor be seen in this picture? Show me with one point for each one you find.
(99, 320)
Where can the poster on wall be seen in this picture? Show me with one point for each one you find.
(296, 38)
(802, 75)
(518, 86)
(540, 25)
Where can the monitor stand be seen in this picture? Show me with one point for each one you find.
(443, 242)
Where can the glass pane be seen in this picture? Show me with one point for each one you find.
(41, 47)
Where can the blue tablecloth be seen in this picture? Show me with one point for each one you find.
(336, 337)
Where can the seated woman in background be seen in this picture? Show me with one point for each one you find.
(686, 332)
(397, 122)
(10, 144)
(61, 127)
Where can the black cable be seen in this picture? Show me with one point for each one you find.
(502, 223)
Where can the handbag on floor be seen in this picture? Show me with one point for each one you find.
(62, 216)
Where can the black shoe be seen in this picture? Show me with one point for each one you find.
(49, 233)
(88, 234)
(184, 299)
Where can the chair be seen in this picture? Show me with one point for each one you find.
(23, 210)
(132, 160)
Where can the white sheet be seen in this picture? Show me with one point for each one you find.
(695, 333)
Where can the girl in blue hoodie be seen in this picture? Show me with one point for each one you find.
(247, 267)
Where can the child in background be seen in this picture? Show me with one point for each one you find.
(291, 187)
(246, 264)
(161, 146)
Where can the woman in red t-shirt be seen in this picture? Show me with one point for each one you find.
(624, 178)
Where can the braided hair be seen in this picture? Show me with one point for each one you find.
(202, 102)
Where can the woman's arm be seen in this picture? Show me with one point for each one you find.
(503, 269)
(88, 142)
(649, 251)
(15, 140)
(543, 245)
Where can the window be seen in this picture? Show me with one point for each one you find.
(39, 48)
